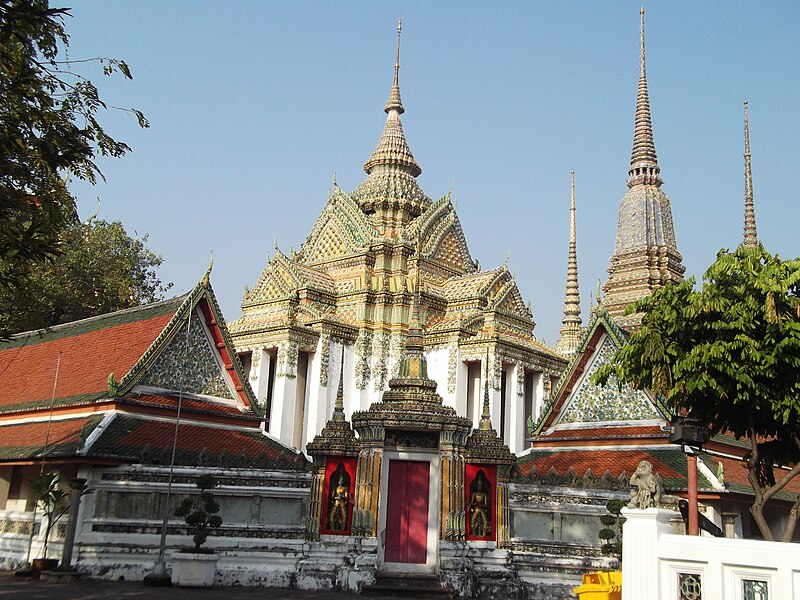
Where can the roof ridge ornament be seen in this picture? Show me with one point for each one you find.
(644, 169)
(750, 233)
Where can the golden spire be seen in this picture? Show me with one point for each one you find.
(570, 332)
(393, 153)
(338, 407)
(485, 423)
(750, 234)
(644, 167)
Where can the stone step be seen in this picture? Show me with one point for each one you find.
(422, 587)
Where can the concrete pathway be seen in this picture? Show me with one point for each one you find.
(24, 588)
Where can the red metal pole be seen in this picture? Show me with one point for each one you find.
(692, 484)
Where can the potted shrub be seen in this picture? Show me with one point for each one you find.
(197, 566)
(54, 504)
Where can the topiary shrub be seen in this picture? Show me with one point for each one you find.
(611, 534)
(200, 512)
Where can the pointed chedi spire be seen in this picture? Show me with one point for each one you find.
(485, 423)
(644, 163)
(394, 102)
(750, 234)
(338, 407)
(646, 254)
(391, 193)
(337, 438)
(393, 153)
(571, 330)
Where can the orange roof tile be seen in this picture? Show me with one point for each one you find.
(90, 350)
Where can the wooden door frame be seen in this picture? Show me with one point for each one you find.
(434, 490)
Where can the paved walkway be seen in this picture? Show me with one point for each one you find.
(24, 588)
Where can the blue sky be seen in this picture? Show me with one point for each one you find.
(254, 105)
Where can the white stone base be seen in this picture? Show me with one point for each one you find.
(194, 570)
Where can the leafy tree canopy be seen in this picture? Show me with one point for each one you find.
(101, 269)
(729, 355)
(48, 132)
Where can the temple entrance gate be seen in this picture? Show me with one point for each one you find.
(407, 512)
(409, 516)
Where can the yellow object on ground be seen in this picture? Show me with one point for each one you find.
(602, 585)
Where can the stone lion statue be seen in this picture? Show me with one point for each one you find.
(647, 488)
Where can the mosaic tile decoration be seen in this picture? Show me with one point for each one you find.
(189, 363)
(592, 404)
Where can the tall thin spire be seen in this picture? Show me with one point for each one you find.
(390, 195)
(644, 167)
(338, 407)
(393, 153)
(750, 234)
(394, 102)
(485, 423)
(646, 254)
(570, 332)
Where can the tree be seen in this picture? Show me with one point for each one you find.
(53, 501)
(729, 355)
(48, 132)
(101, 269)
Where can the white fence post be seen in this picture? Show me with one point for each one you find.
(640, 535)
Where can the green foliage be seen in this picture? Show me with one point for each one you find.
(101, 270)
(611, 534)
(200, 512)
(48, 132)
(728, 355)
(53, 502)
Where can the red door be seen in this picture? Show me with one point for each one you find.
(407, 512)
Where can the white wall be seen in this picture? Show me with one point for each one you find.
(653, 560)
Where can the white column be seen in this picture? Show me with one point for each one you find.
(538, 394)
(515, 404)
(259, 374)
(640, 535)
(462, 385)
(284, 396)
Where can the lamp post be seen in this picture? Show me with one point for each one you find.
(691, 435)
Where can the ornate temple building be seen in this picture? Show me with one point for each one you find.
(347, 289)
(452, 453)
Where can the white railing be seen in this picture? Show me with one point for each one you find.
(659, 565)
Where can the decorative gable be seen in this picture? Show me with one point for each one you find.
(332, 242)
(277, 282)
(442, 237)
(589, 403)
(189, 363)
(340, 230)
(509, 300)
